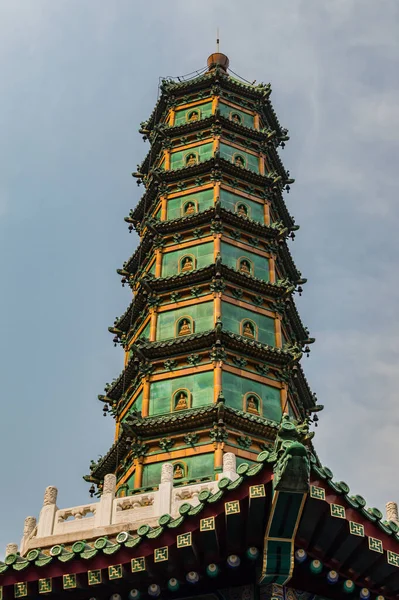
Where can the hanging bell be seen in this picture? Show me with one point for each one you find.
(307, 350)
(300, 290)
(292, 235)
(92, 490)
(123, 281)
(130, 228)
(315, 420)
(115, 340)
(105, 410)
(287, 187)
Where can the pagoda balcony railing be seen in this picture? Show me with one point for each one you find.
(110, 515)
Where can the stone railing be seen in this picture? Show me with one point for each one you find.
(109, 515)
(74, 519)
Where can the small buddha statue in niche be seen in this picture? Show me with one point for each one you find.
(187, 264)
(236, 118)
(248, 330)
(244, 267)
(242, 210)
(191, 160)
(193, 116)
(184, 327)
(178, 472)
(182, 403)
(252, 405)
(239, 161)
(189, 208)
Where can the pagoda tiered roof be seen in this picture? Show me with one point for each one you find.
(212, 166)
(160, 285)
(189, 343)
(257, 94)
(165, 131)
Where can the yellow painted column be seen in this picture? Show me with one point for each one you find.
(217, 306)
(272, 269)
(153, 324)
(216, 144)
(146, 397)
(216, 191)
(138, 473)
(215, 104)
(256, 121)
(218, 458)
(277, 331)
(158, 262)
(266, 212)
(217, 380)
(283, 399)
(164, 203)
(172, 117)
(167, 160)
(117, 429)
(261, 164)
(216, 245)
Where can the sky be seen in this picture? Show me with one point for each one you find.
(78, 77)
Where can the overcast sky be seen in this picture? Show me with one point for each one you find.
(77, 77)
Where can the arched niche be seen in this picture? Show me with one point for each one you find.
(249, 329)
(181, 399)
(245, 266)
(252, 403)
(184, 326)
(187, 263)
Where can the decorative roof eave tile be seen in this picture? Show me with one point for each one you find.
(121, 383)
(295, 319)
(132, 263)
(292, 271)
(196, 418)
(274, 290)
(302, 385)
(204, 340)
(215, 212)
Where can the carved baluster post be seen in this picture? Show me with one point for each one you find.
(47, 514)
(392, 512)
(103, 514)
(229, 466)
(11, 549)
(29, 526)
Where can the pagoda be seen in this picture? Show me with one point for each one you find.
(212, 487)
